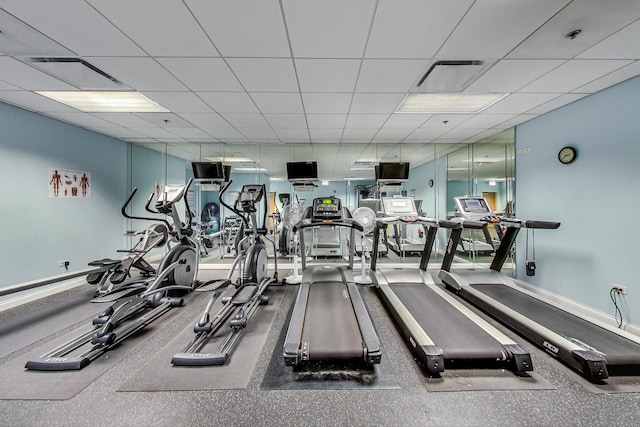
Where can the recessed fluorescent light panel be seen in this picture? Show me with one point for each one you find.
(230, 159)
(448, 102)
(105, 102)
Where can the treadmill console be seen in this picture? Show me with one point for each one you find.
(399, 206)
(473, 207)
(327, 208)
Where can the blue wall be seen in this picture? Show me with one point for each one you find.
(39, 231)
(595, 197)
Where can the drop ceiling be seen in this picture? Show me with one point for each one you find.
(288, 80)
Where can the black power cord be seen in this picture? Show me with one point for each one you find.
(613, 293)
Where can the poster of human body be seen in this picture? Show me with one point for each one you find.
(65, 183)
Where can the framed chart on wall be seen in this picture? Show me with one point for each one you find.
(64, 183)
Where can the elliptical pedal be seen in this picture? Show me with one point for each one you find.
(120, 293)
(214, 285)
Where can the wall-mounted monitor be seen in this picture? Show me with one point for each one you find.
(208, 171)
(227, 172)
(393, 172)
(302, 171)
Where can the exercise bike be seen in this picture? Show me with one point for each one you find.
(176, 275)
(252, 281)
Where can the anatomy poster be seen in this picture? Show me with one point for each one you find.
(69, 184)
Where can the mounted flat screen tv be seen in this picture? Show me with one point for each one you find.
(302, 171)
(208, 171)
(227, 172)
(393, 172)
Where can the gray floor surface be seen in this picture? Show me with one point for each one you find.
(570, 402)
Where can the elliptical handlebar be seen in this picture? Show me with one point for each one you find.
(123, 210)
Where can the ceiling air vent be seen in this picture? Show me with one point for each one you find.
(78, 72)
(450, 76)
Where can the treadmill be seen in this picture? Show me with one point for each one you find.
(440, 330)
(591, 347)
(329, 322)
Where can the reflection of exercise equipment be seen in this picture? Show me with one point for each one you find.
(176, 274)
(477, 241)
(291, 215)
(366, 217)
(249, 288)
(117, 271)
(232, 231)
(330, 322)
(284, 235)
(397, 237)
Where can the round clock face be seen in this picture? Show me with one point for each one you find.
(567, 155)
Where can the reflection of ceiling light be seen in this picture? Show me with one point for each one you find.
(354, 179)
(250, 169)
(230, 159)
(492, 183)
(105, 102)
(448, 102)
(274, 178)
(361, 169)
(325, 182)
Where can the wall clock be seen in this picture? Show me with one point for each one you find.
(567, 155)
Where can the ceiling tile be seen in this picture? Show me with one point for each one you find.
(154, 132)
(360, 133)
(611, 79)
(226, 134)
(20, 39)
(139, 73)
(188, 133)
(179, 102)
(517, 103)
(80, 119)
(573, 74)
(390, 75)
(326, 102)
(511, 75)
(20, 74)
(621, 45)
(461, 132)
(325, 133)
(427, 133)
(519, 119)
(75, 25)
(233, 25)
(413, 28)
(265, 74)
(366, 121)
(123, 119)
(260, 133)
(296, 140)
(487, 120)
(246, 120)
(446, 121)
(171, 31)
(269, 102)
(326, 121)
(7, 86)
(229, 102)
(327, 75)
(205, 120)
(289, 134)
(489, 29)
(375, 102)
(396, 133)
(596, 19)
(117, 131)
(292, 121)
(328, 29)
(412, 120)
(558, 102)
(202, 74)
(164, 120)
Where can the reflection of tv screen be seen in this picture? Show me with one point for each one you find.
(393, 171)
(227, 172)
(212, 171)
(302, 171)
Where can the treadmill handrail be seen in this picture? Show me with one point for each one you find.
(344, 222)
(383, 222)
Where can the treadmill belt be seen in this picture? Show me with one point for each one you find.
(330, 325)
(453, 332)
(615, 349)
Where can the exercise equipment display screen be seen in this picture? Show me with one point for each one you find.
(327, 208)
(473, 205)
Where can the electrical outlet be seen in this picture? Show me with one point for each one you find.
(619, 288)
(64, 263)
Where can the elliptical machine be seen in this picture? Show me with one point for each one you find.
(252, 282)
(176, 275)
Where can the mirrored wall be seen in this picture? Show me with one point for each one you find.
(439, 172)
